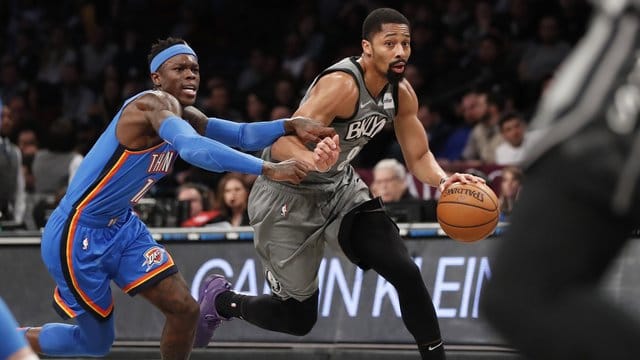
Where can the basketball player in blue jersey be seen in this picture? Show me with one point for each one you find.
(93, 237)
(579, 204)
(357, 97)
(12, 346)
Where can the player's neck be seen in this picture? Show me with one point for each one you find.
(372, 79)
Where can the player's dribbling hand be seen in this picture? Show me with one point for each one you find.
(308, 130)
(326, 153)
(289, 170)
(461, 178)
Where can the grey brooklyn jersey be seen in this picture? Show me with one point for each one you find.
(370, 117)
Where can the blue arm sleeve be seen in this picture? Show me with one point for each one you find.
(206, 153)
(246, 136)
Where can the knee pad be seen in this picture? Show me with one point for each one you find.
(95, 336)
(94, 340)
(351, 229)
(97, 345)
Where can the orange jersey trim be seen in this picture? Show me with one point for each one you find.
(150, 275)
(63, 306)
(72, 230)
(145, 150)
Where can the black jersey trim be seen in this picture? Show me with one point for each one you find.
(113, 160)
(355, 78)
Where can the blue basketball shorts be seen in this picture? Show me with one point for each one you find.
(83, 254)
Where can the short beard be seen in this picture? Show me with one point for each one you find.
(394, 77)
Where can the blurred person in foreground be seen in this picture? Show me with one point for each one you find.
(13, 346)
(578, 205)
(93, 236)
(292, 223)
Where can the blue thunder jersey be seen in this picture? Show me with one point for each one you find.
(93, 237)
(112, 178)
(371, 115)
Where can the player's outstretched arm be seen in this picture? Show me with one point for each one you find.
(307, 129)
(215, 156)
(289, 170)
(256, 135)
(207, 153)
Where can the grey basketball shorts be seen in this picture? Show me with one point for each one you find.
(291, 227)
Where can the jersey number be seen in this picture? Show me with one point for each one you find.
(140, 194)
(349, 157)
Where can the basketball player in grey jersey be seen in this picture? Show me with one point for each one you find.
(369, 118)
(292, 223)
(579, 203)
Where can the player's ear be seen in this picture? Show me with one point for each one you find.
(366, 47)
(155, 78)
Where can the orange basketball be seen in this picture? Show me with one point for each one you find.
(468, 212)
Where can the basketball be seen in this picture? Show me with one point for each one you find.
(468, 212)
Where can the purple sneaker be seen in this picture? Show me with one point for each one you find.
(212, 286)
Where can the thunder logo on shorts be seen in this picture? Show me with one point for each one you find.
(153, 257)
(126, 254)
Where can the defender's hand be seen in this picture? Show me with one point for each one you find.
(307, 130)
(326, 153)
(289, 170)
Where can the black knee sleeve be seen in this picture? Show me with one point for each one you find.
(358, 221)
(377, 244)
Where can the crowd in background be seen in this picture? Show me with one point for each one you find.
(478, 69)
